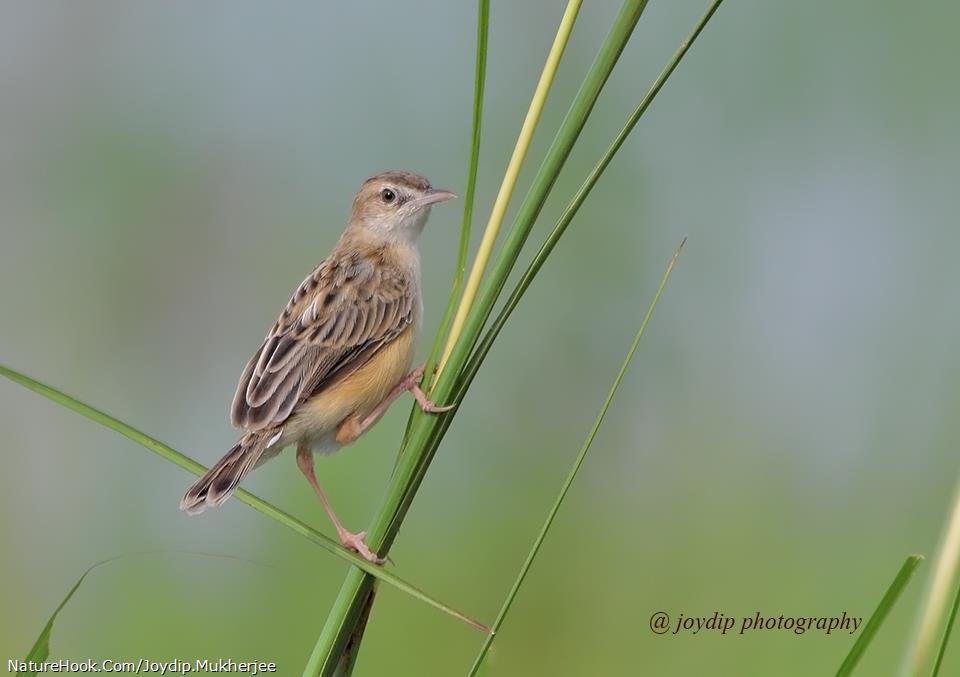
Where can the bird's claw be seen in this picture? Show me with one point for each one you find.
(355, 542)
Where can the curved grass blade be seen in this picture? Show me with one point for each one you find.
(538, 541)
(41, 648)
(876, 620)
(252, 500)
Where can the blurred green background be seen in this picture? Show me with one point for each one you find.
(169, 172)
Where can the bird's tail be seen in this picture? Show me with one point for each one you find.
(222, 479)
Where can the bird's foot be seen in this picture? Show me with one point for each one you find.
(426, 403)
(355, 542)
(412, 383)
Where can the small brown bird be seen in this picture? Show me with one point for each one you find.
(340, 352)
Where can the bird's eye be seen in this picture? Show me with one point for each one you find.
(388, 195)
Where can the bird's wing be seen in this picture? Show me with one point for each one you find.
(346, 310)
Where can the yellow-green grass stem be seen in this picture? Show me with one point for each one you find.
(509, 182)
(936, 608)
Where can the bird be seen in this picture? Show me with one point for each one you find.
(340, 353)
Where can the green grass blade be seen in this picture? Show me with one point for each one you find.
(348, 659)
(476, 359)
(253, 501)
(479, 84)
(936, 609)
(428, 431)
(881, 613)
(946, 633)
(41, 648)
(568, 482)
(578, 199)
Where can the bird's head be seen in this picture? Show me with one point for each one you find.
(395, 204)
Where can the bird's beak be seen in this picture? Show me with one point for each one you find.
(433, 196)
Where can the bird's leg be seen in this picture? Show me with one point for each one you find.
(349, 540)
(409, 382)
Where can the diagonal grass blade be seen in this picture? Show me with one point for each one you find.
(876, 620)
(253, 501)
(538, 541)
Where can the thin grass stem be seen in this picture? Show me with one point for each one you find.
(571, 476)
(946, 633)
(479, 83)
(879, 615)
